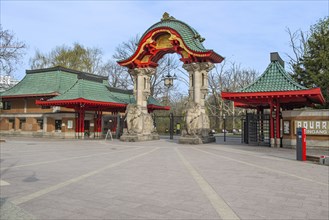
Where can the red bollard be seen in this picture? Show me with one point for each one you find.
(303, 143)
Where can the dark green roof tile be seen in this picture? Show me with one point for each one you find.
(190, 36)
(70, 85)
(275, 78)
(42, 83)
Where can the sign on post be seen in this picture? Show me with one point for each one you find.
(314, 127)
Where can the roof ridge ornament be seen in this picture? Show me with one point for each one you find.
(198, 36)
(166, 17)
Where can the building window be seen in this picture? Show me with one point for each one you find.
(6, 105)
(58, 125)
(21, 121)
(40, 123)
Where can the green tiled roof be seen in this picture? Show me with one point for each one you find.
(275, 78)
(190, 36)
(123, 96)
(95, 91)
(49, 80)
(152, 101)
(127, 96)
(88, 90)
(42, 83)
(70, 85)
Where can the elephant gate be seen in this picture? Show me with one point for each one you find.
(170, 36)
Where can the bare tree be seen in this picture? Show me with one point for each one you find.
(226, 79)
(77, 57)
(117, 75)
(126, 48)
(297, 42)
(11, 51)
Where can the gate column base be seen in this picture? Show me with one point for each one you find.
(189, 140)
(139, 137)
(272, 142)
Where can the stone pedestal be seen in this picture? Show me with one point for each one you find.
(189, 139)
(196, 139)
(139, 137)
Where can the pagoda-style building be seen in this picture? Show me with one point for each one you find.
(64, 103)
(274, 90)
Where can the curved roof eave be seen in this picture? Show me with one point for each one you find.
(189, 36)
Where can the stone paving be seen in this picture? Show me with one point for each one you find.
(97, 179)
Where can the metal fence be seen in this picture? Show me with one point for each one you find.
(229, 124)
(249, 129)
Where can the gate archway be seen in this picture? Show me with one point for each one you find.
(170, 36)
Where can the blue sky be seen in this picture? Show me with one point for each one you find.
(242, 31)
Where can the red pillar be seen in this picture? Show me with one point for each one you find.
(80, 128)
(271, 125)
(82, 122)
(76, 121)
(100, 121)
(277, 124)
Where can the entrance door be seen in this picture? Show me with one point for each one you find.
(87, 128)
(169, 126)
(257, 129)
(58, 125)
(114, 123)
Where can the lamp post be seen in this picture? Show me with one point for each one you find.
(224, 118)
(169, 82)
(169, 79)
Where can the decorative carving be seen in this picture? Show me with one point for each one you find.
(133, 118)
(197, 67)
(193, 114)
(201, 39)
(166, 16)
(146, 95)
(148, 71)
(138, 122)
(207, 66)
(197, 122)
(148, 126)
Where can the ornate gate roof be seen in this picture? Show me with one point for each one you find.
(168, 36)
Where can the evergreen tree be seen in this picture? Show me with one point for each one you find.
(312, 70)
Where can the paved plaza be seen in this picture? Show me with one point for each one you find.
(97, 179)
